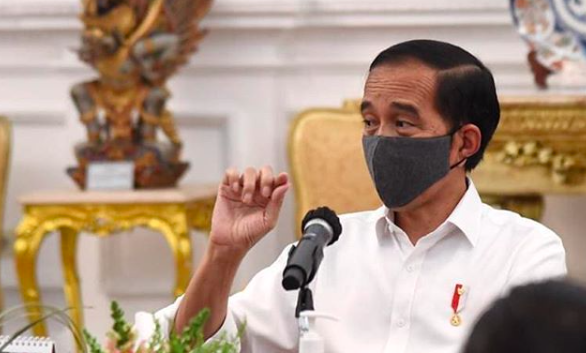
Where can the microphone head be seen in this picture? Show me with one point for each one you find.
(293, 278)
(329, 216)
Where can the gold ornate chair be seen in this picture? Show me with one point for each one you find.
(5, 142)
(327, 164)
(539, 148)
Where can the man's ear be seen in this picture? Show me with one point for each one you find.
(471, 139)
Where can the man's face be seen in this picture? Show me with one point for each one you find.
(399, 101)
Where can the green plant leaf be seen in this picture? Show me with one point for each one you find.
(157, 342)
(121, 328)
(92, 342)
(193, 336)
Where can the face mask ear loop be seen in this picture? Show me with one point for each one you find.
(452, 137)
(458, 163)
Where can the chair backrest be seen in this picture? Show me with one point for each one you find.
(327, 163)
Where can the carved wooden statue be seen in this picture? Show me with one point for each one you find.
(135, 46)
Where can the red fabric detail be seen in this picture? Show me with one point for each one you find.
(456, 298)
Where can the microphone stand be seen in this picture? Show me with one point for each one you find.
(304, 300)
(309, 339)
(304, 303)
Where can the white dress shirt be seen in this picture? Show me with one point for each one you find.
(390, 295)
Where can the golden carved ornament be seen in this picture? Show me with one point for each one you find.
(539, 147)
(535, 153)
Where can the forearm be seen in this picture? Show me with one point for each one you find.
(242, 216)
(210, 288)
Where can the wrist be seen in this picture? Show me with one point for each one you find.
(225, 254)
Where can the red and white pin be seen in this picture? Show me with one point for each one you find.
(457, 304)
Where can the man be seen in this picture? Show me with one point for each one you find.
(412, 276)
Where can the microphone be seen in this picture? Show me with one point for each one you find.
(321, 227)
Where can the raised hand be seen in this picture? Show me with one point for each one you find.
(247, 207)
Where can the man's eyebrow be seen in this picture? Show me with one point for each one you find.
(365, 105)
(406, 107)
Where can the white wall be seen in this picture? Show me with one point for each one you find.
(263, 61)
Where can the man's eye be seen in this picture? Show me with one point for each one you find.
(402, 123)
(368, 123)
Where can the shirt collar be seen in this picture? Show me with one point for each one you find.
(466, 216)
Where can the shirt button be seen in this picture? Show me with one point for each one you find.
(401, 323)
(410, 268)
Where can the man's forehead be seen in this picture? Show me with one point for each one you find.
(403, 69)
(401, 80)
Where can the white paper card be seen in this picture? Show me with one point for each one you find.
(26, 344)
(110, 176)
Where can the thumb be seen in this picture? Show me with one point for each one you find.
(275, 203)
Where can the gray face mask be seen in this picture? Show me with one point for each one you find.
(402, 168)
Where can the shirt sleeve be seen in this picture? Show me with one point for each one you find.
(144, 323)
(540, 256)
(264, 309)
